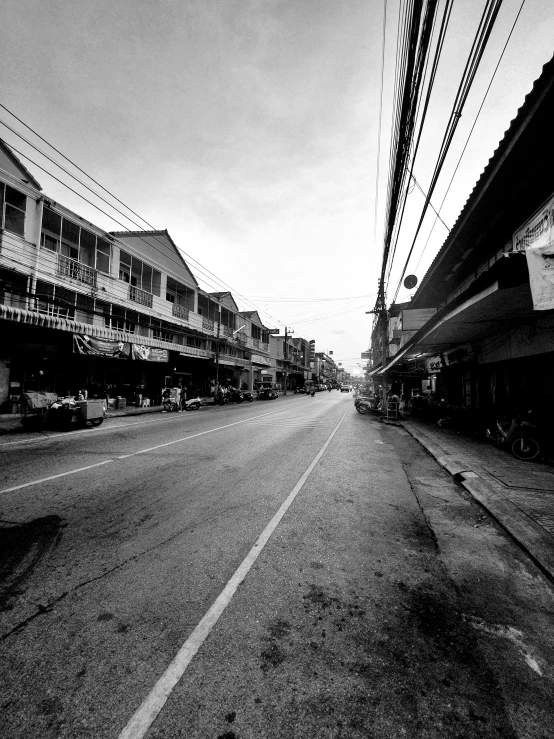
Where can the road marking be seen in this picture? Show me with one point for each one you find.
(144, 717)
(69, 434)
(132, 454)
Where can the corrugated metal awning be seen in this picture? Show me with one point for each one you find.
(34, 318)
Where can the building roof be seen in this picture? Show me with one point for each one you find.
(162, 248)
(499, 198)
(27, 177)
(226, 299)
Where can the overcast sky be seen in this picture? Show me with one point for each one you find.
(248, 129)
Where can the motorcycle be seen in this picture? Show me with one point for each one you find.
(192, 405)
(236, 396)
(170, 405)
(365, 404)
(247, 396)
(514, 435)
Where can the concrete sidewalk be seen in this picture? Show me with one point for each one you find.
(519, 495)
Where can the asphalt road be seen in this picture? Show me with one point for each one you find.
(284, 568)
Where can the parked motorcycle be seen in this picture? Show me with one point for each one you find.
(193, 404)
(365, 404)
(247, 396)
(236, 396)
(517, 435)
(170, 405)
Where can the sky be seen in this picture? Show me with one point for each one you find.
(249, 130)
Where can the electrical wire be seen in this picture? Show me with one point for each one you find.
(192, 259)
(471, 131)
(477, 49)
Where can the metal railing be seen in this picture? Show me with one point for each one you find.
(207, 323)
(76, 270)
(140, 296)
(179, 311)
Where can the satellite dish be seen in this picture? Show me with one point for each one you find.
(410, 281)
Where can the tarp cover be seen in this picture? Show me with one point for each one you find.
(36, 400)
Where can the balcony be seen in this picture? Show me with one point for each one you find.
(207, 324)
(256, 343)
(72, 268)
(140, 296)
(179, 311)
(227, 331)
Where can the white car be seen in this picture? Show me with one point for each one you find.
(345, 388)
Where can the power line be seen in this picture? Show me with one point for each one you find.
(219, 280)
(477, 49)
(471, 131)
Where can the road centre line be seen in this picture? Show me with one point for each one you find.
(132, 454)
(146, 714)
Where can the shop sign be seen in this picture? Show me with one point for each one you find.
(414, 319)
(540, 262)
(266, 372)
(538, 230)
(456, 356)
(433, 364)
(258, 359)
(92, 346)
(150, 353)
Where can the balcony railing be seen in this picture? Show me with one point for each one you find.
(207, 324)
(227, 331)
(256, 343)
(179, 311)
(72, 268)
(140, 296)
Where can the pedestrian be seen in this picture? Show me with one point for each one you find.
(183, 398)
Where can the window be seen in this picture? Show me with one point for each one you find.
(179, 294)
(117, 317)
(162, 334)
(61, 235)
(256, 332)
(138, 274)
(13, 205)
(56, 301)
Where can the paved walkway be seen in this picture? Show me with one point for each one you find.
(519, 495)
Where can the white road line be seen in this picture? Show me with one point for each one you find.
(127, 456)
(144, 717)
(97, 430)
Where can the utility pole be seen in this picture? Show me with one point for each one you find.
(217, 358)
(286, 356)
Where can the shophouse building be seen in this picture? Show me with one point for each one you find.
(107, 312)
(479, 331)
(325, 369)
(290, 362)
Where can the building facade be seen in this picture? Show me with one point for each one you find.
(116, 314)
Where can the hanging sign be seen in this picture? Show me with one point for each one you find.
(92, 346)
(540, 261)
(150, 353)
(538, 230)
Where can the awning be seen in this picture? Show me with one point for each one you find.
(34, 318)
(263, 361)
(479, 316)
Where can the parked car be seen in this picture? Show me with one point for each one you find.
(267, 393)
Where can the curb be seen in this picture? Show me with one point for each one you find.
(527, 534)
